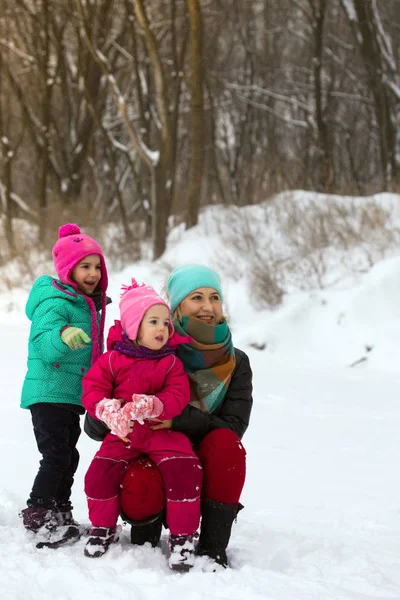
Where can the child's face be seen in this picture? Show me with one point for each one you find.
(204, 304)
(87, 273)
(153, 331)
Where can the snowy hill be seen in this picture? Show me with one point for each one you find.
(322, 498)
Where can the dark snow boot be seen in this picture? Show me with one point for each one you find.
(36, 517)
(181, 552)
(45, 524)
(216, 525)
(100, 539)
(65, 532)
(148, 530)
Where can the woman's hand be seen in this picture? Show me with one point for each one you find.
(161, 424)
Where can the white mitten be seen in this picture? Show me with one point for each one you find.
(144, 407)
(110, 412)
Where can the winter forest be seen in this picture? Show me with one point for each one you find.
(260, 138)
(141, 113)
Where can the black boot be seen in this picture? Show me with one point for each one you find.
(215, 531)
(148, 530)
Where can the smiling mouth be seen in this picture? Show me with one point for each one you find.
(160, 338)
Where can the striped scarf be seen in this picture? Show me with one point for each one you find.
(209, 360)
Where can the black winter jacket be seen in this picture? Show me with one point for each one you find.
(233, 413)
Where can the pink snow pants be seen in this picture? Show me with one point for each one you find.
(180, 470)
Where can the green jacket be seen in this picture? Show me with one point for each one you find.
(55, 371)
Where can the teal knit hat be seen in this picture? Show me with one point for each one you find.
(187, 278)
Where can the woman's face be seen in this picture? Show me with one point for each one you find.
(203, 304)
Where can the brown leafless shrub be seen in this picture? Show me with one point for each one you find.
(32, 258)
(298, 243)
(28, 260)
(265, 285)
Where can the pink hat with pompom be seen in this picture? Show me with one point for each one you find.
(71, 247)
(135, 302)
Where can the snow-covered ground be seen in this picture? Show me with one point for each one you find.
(322, 496)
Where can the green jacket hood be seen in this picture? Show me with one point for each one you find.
(44, 288)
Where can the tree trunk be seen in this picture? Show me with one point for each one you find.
(325, 170)
(45, 123)
(161, 172)
(159, 216)
(6, 175)
(376, 73)
(197, 113)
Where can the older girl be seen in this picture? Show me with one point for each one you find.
(66, 337)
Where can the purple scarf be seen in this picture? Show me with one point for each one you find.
(126, 347)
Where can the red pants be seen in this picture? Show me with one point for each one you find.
(223, 459)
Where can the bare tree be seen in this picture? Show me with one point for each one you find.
(7, 156)
(384, 79)
(318, 11)
(160, 159)
(197, 112)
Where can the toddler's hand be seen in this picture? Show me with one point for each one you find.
(109, 411)
(74, 337)
(106, 407)
(144, 407)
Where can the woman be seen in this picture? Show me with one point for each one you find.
(214, 421)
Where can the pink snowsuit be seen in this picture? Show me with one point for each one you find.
(116, 375)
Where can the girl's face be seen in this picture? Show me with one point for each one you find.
(203, 304)
(87, 273)
(154, 329)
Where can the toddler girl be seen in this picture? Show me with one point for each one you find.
(140, 379)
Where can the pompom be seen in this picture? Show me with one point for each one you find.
(68, 229)
(133, 286)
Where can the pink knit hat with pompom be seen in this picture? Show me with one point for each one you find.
(71, 247)
(135, 302)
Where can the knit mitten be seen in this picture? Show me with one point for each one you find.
(109, 411)
(144, 407)
(74, 337)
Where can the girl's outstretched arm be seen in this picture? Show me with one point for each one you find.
(48, 322)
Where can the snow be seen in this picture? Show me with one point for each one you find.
(322, 494)
(350, 9)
